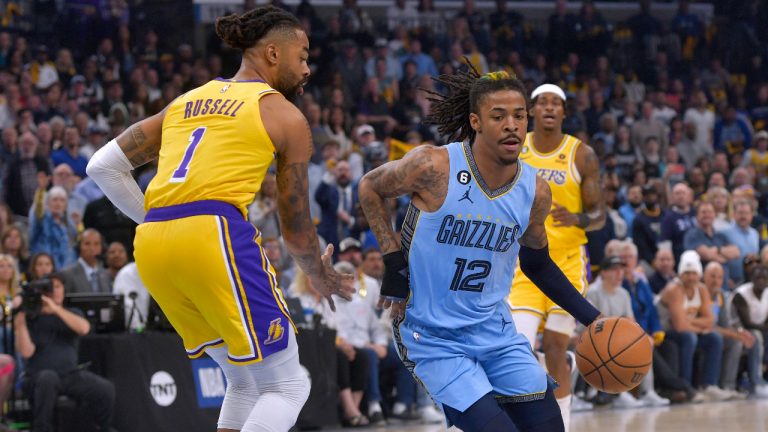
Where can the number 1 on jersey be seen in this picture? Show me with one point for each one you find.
(180, 175)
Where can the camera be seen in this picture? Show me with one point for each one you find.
(31, 295)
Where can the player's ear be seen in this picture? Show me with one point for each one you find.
(272, 53)
(474, 121)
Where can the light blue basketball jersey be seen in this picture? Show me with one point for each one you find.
(462, 257)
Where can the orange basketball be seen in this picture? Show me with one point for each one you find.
(614, 354)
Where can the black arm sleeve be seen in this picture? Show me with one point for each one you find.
(542, 271)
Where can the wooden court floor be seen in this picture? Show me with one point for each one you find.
(742, 416)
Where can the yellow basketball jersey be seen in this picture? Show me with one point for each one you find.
(558, 168)
(214, 146)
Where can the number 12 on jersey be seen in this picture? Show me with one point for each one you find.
(180, 174)
(463, 282)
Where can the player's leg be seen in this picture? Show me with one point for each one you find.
(541, 415)
(557, 334)
(485, 415)
(559, 326)
(264, 396)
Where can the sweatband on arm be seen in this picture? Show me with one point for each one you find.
(111, 170)
(545, 274)
(394, 285)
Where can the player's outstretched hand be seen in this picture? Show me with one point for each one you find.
(562, 217)
(333, 282)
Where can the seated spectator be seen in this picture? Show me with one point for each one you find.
(743, 236)
(40, 266)
(613, 301)
(21, 177)
(735, 340)
(9, 288)
(135, 294)
(664, 270)
(112, 223)
(646, 227)
(686, 311)
(14, 243)
(679, 219)
(352, 363)
(87, 275)
(721, 201)
(709, 244)
(749, 311)
(629, 209)
(757, 157)
(47, 341)
(69, 153)
(263, 211)
(50, 229)
(358, 324)
(117, 258)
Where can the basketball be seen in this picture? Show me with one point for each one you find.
(614, 354)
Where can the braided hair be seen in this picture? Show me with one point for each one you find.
(244, 30)
(466, 89)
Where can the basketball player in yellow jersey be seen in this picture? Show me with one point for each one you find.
(195, 250)
(572, 170)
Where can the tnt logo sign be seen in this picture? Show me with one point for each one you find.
(163, 388)
(210, 383)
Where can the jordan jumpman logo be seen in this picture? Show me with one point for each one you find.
(466, 196)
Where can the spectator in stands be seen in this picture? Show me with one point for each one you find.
(373, 264)
(337, 197)
(733, 134)
(646, 228)
(112, 223)
(21, 175)
(686, 311)
(352, 364)
(628, 210)
(64, 176)
(664, 270)
(709, 244)
(743, 236)
(116, 259)
(87, 274)
(757, 157)
(263, 211)
(40, 265)
(358, 324)
(47, 341)
(646, 128)
(735, 340)
(679, 219)
(748, 311)
(721, 201)
(69, 153)
(14, 243)
(50, 229)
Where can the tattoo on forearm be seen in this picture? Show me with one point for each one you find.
(295, 218)
(137, 149)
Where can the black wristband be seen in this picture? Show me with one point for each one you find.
(395, 282)
(583, 220)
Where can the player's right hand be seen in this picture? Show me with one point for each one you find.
(332, 282)
(397, 306)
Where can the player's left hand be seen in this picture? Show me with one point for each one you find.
(562, 217)
(396, 307)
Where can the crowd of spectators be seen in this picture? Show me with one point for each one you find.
(677, 111)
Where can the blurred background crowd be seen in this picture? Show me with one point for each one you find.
(675, 106)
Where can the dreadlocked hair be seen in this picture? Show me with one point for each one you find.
(466, 89)
(243, 30)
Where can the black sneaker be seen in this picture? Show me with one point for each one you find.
(377, 418)
(410, 413)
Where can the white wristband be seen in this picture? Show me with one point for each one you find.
(111, 170)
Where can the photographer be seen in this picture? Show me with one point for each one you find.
(46, 338)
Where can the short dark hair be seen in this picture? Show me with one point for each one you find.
(244, 30)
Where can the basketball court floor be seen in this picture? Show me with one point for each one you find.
(743, 416)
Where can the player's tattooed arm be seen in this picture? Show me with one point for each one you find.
(593, 216)
(141, 141)
(535, 237)
(423, 172)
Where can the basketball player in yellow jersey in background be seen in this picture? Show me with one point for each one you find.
(195, 250)
(572, 170)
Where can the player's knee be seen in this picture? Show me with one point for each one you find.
(536, 416)
(485, 415)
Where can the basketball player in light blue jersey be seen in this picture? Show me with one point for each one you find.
(474, 208)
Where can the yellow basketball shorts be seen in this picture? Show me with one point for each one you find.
(527, 297)
(203, 264)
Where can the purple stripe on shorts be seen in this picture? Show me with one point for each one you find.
(202, 347)
(194, 208)
(238, 298)
(261, 299)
